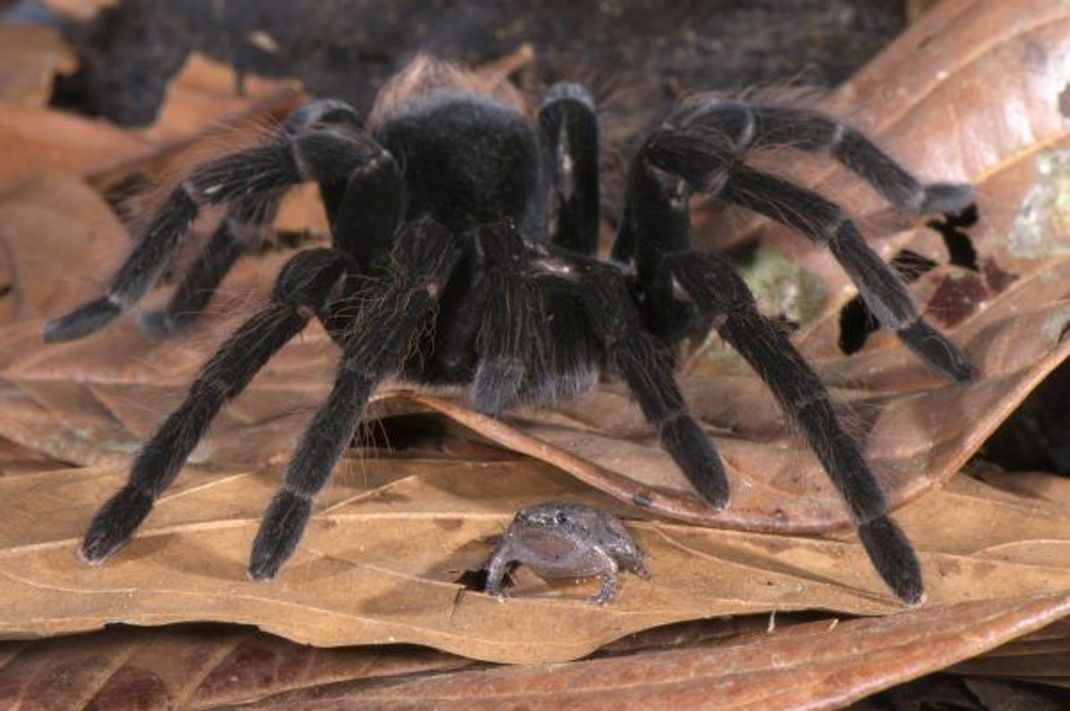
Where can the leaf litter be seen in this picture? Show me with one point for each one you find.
(368, 572)
(380, 560)
(206, 666)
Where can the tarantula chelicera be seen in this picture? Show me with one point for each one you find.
(464, 241)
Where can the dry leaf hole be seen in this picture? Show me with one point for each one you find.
(857, 321)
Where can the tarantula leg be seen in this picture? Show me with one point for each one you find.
(824, 222)
(395, 306)
(882, 289)
(716, 290)
(727, 129)
(241, 230)
(656, 220)
(508, 339)
(136, 275)
(303, 286)
(327, 153)
(647, 366)
(569, 124)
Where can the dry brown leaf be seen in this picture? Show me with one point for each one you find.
(59, 243)
(206, 92)
(30, 56)
(39, 140)
(1042, 656)
(96, 401)
(1039, 666)
(34, 141)
(189, 667)
(207, 666)
(16, 459)
(917, 8)
(379, 561)
(814, 666)
(990, 114)
(46, 224)
(204, 666)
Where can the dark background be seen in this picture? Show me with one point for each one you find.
(347, 48)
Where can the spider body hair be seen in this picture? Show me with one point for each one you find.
(464, 238)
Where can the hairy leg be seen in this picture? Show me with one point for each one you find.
(704, 146)
(647, 366)
(301, 291)
(394, 307)
(241, 230)
(569, 124)
(723, 131)
(305, 149)
(714, 288)
(882, 289)
(508, 343)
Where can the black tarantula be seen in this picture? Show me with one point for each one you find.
(464, 241)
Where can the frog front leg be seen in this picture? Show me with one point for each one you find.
(607, 570)
(496, 569)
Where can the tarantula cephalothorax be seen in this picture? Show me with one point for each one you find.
(464, 242)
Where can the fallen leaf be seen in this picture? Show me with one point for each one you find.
(35, 141)
(15, 460)
(206, 666)
(188, 667)
(46, 224)
(206, 92)
(380, 560)
(30, 56)
(1042, 656)
(96, 401)
(814, 666)
(916, 8)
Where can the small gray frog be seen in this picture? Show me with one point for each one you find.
(566, 540)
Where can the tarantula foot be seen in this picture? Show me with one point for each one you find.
(277, 539)
(694, 453)
(82, 321)
(894, 559)
(937, 350)
(948, 198)
(114, 524)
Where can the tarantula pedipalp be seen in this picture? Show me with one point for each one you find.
(463, 251)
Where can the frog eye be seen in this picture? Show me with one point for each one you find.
(561, 517)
